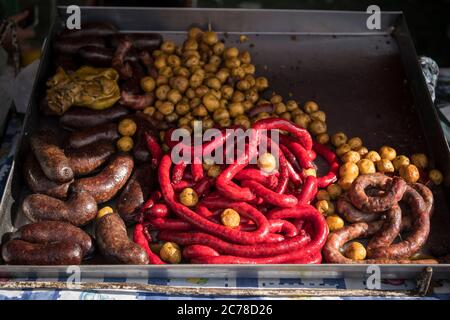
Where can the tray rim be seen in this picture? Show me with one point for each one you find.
(291, 269)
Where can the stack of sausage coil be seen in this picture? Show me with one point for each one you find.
(278, 224)
(372, 207)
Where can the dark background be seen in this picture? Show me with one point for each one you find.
(429, 21)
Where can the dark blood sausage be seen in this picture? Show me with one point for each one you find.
(82, 138)
(87, 159)
(39, 183)
(91, 29)
(135, 193)
(102, 57)
(141, 41)
(19, 252)
(80, 118)
(106, 184)
(114, 244)
(50, 156)
(54, 231)
(70, 46)
(118, 61)
(393, 187)
(78, 210)
(418, 234)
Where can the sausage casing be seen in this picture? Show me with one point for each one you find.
(79, 118)
(54, 231)
(79, 209)
(87, 159)
(107, 183)
(82, 138)
(19, 252)
(135, 193)
(114, 244)
(50, 156)
(39, 183)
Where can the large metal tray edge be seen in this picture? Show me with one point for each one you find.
(412, 271)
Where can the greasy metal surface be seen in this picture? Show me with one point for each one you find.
(358, 79)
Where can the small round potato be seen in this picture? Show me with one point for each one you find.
(127, 127)
(410, 173)
(189, 197)
(170, 252)
(317, 127)
(351, 156)
(230, 218)
(435, 176)
(385, 166)
(125, 144)
(343, 149)
(349, 170)
(334, 190)
(335, 223)
(373, 156)
(338, 139)
(388, 153)
(355, 143)
(148, 84)
(400, 161)
(355, 251)
(322, 138)
(420, 160)
(366, 166)
(310, 107)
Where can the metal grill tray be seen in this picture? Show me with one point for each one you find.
(368, 82)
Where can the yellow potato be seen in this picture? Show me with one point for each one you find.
(436, 176)
(410, 173)
(366, 166)
(335, 223)
(230, 218)
(385, 166)
(355, 251)
(127, 127)
(388, 153)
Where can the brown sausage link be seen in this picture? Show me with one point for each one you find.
(135, 193)
(78, 210)
(114, 244)
(82, 138)
(352, 214)
(389, 230)
(426, 194)
(106, 184)
(336, 240)
(393, 187)
(418, 235)
(87, 159)
(50, 156)
(54, 231)
(19, 252)
(80, 118)
(39, 183)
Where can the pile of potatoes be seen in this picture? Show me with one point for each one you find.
(358, 160)
(204, 80)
